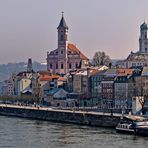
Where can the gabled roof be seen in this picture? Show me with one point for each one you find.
(74, 49)
(55, 90)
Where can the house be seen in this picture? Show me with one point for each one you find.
(7, 88)
(122, 92)
(57, 97)
(95, 82)
(107, 86)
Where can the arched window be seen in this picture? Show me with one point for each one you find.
(62, 66)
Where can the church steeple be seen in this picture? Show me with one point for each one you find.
(62, 23)
(62, 33)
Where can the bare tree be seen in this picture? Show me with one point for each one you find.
(141, 91)
(100, 58)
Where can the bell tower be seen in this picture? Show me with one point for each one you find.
(62, 33)
(143, 40)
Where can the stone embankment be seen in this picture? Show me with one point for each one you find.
(66, 116)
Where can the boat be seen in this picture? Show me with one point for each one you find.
(142, 128)
(133, 125)
(125, 127)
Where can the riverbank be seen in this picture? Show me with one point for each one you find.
(59, 115)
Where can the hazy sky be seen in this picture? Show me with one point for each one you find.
(28, 28)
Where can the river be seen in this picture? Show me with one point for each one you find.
(24, 133)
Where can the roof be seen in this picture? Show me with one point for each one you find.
(111, 72)
(145, 71)
(74, 49)
(50, 77)
(124, 71)
(62, 23)
(142, 57)
(144, 26)
(98, 73)
(55, 90)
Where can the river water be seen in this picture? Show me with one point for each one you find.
(24, 133)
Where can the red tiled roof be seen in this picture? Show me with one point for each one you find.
(124, 71)
(76, 50)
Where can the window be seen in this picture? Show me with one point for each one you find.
(145, 49)
(76, 65)
(57, 66)
(62, 37)
(69, 65)
(62, 66)
(145, 43)
(51, 66)
(62, 52)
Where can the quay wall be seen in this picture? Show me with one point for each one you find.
(76, 117)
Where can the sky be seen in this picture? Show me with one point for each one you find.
(28, 28)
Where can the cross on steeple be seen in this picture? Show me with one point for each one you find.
(62, 13)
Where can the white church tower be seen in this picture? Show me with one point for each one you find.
(143, 40)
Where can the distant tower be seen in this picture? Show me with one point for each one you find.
(143, 40)
(29, 66)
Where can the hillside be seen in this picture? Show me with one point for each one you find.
(7, 69)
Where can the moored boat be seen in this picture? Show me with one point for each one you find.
(134, 125)
(142, 130)
(125, 127)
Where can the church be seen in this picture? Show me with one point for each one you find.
(139, 58)
(67, 56)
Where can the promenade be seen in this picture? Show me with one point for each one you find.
(68, 110)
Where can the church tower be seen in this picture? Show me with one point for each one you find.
(62, 44)
(62, 33)
(143, 40)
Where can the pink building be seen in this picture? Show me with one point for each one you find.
(67, 56)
